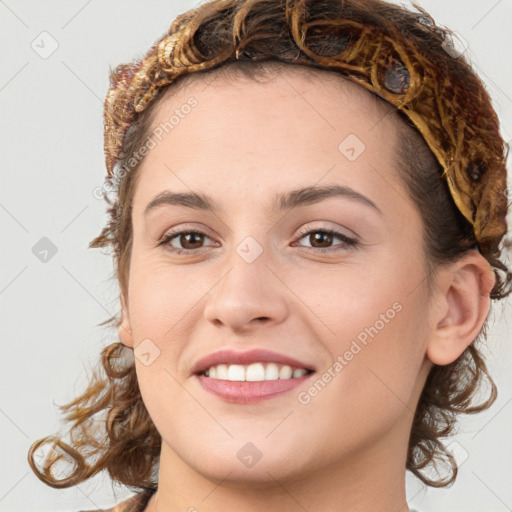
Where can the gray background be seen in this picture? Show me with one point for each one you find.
(52, 162)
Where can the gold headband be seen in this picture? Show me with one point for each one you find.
(440, 94)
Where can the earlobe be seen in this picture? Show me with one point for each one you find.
(463, 301)
(125, 329)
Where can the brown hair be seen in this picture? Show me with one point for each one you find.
(110, 426)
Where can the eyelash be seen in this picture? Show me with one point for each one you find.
(349, 243)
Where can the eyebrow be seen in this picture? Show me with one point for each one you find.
(293, 199)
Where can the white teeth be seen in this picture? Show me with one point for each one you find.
(285, 372)
(236, 372)
(254, 372)
(222, 371)
(271, 372)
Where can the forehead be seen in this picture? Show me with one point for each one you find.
(287, 79)
(290, 126)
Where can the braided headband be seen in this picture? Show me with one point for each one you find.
(440, 95)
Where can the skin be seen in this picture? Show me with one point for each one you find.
(242, 145)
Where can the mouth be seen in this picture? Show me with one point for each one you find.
(250, 376)
(255, 372)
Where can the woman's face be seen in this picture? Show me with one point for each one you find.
(263, 170)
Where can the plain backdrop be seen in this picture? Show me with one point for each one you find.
(55, 58)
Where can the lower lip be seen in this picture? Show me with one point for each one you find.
(244, 392)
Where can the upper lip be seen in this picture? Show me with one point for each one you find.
(228, 356)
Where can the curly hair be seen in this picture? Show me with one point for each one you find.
(110, 426)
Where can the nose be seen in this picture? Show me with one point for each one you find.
(247, 296)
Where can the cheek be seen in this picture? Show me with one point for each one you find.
(369, 387)
(371, 321)
(160, 296)
(360, 299)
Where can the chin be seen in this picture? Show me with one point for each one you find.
(238, 460)
(262, 474)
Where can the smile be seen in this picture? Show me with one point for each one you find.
(254, 372)
(249, 384)
(250, 376)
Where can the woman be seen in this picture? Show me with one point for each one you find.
(307, 202)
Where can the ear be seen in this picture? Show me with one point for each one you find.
(125, 328)
(460, 307)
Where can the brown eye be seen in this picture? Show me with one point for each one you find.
(191, 240)
(322, 239)
(184, 241)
